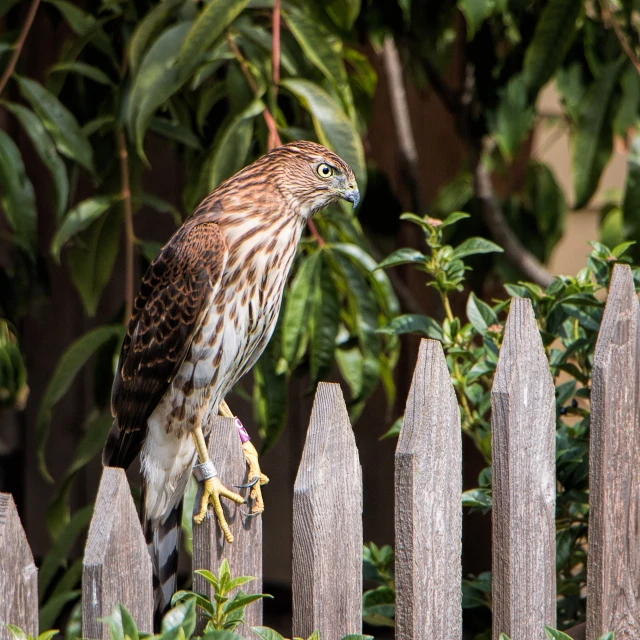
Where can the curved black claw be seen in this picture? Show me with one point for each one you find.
(249, 484)
(250, 515)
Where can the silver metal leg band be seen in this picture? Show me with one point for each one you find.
(204, 471)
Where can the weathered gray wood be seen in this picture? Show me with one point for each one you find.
(117, 566)
(18, 573)
(327, 524)
(523, 443)
(614, 480)
(428, 485)
(209, 545)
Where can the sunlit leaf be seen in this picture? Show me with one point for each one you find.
(402, 256)
(211, 22)
(480, 314)
(473, 246)
(59, 122)
(593, 140)
(413, 323)
(332, 126)
(475, 13)
(46, 150)
(18, 198)
(78, 219)
(554, 33)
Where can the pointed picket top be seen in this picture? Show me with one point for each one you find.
(614, 467)
(117, 566)
(327, 524)
(428, 514)
(18, 573)
(210, 547)
(523, 444)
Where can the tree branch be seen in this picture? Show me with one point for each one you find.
(17, 47)
(514, 251)
(274, 139)
(130, 237)
(611, 22)
(402, 121)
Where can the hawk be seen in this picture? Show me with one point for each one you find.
(206, 309)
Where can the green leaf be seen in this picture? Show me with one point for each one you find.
(16, 632)
(631, 199)
(183, 616)
(592, 142)
(394, 429)
(378, 603)
(413, 323)
(61, 547)
(209, 577)
(46, 150)
(323, 49)
(627, 114)
(607, 636)
(356, 636)
(73, 359)
(240, 602)
(403, 256)
(175, 131)
(83, 69)
(475, 13)
(266, 634)
(477, 498)
(79, 219)
(297, 310)
(92, 258)
(146, 29)
(473, 246)
(513, 118)
(216, 16)
(480, 314)
(552, 634)
(332, 126)
(18, 199)
(59, 122)
(325, 320)
(155, 82)
(552, 38)
(232, 145)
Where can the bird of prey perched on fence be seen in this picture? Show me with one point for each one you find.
(207, 307)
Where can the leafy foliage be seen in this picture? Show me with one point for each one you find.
(568, 313)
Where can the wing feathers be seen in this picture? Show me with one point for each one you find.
(174, 296)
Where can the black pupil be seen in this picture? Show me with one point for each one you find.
(325, 170)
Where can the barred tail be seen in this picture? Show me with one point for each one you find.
(163, 542)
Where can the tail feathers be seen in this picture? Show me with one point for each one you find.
(163, 542)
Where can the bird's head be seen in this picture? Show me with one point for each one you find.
(313, 176)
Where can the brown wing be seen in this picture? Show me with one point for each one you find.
(175, 293)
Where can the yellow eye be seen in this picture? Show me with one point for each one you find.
(324, 170)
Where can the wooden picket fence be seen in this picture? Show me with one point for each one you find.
(327, 506)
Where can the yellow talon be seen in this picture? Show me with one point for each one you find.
(251, 456)
(212, 491)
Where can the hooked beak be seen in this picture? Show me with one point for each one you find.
(352, 196)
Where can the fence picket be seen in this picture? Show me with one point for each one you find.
(117, 566)
(428, 491)
(18, 573)
(327, 524)
(614, 480)
(209, 545)
(523, 443)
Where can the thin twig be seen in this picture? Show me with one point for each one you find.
(274, 139)
(244, 67)
(130, 237)
(502, 233)
(402, 121)
(17, 47)
(610, 21)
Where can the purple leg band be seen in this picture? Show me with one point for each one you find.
(242, 432)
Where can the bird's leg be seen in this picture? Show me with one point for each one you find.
(213, 488)
(255, 476)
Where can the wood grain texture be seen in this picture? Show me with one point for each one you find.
(428, 515)
(614, 505)
(327, 524)
(18, 573)
(117, 566)
(523, 514)
(209, 545)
